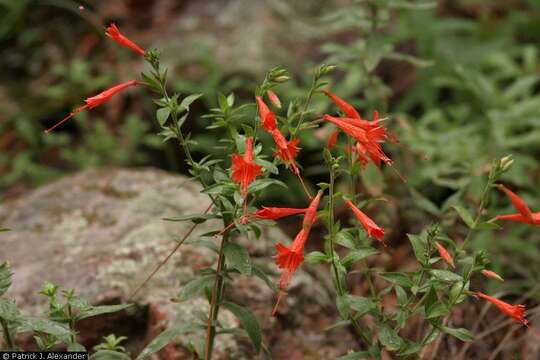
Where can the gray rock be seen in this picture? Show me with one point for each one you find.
(101, 233)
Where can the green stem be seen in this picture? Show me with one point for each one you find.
(339, 288)
(7, 335)
(217, 293)
(219, 284)
(306, 105)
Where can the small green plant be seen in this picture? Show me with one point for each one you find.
(56, 326)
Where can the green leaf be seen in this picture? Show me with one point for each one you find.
(2, 229)
(75, 347)
(316, 257)
(8, 310)
(188, 100)
(5, 278)
(195, 287)
(195, 218)
(409, 348)
(424, 203)
(419, 245)
(460, 333)
(355, 356)
(465, 215)
(257, 271)
(437, 310)
(108, 355)
(104, 309)
(400, 279)
(248, 322)
(261, 184)
(344, 238)
(163, 339)
(360, 304)
(357, 255)
(343, 306)
(446, 275)
(237, 257)
(401, 295)
(162, 115)
(389, 338)
(487, 226)
(46, 326)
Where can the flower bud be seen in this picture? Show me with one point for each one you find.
(274, 99)
(282, 78)
(506, 162)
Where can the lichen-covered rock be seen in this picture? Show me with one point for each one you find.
(101, 233)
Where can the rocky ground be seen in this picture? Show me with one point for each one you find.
(101, 232)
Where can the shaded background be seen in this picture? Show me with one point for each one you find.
(460, 80)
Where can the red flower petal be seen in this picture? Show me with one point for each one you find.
(347, 108)
(114, 33)
(369, 225)
(516, 312)
(445, 255)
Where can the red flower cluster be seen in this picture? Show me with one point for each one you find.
(286, 150)
(290, 258)
(368, 134)
(113, 32)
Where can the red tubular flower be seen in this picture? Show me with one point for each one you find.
(95, 101)
(311, 213)
(275, 213)
(369, 225)
(268, 118)
(286, 150)
(350, 129)
(516, 312)
(274, 99)
(244, 170)
(492, 275)
(524, 215)
(114, 33)
(290, 258)
(347, 108)
(445, 255)
(332, 140)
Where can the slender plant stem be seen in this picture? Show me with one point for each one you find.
(166, 259)
(306, 105)
(339, 287)
(219, 284)
(216, 298)
(7, 335)
(483, 202)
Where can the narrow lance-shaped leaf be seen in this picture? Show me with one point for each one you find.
(248, 322)
(101, 310)
(237, 257)
(163, 339)
(5, 278)
(465, 215)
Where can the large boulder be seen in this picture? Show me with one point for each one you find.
(101, 233)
